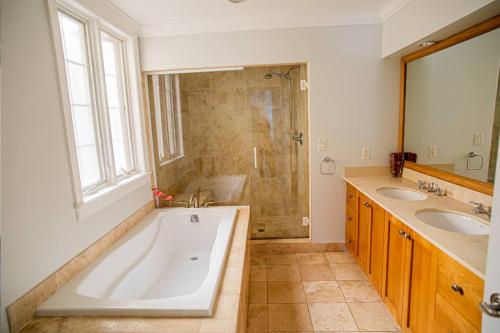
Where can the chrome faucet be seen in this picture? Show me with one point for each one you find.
(480, 209)
(431, 188)
(194, 201)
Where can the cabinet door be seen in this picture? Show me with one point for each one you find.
(375, 269)
(364, 226)
(394, 265)
(420, 284)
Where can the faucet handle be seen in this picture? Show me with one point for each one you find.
(208, 203)
(475, 203)
(421, 185)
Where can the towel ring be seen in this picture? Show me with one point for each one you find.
(472, 155)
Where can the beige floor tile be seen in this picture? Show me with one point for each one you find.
(283, 273)
(257, 259)
(285, 292)
(359, 291)
(289, 317)
(347, 271)
(323, 292)
(281, 259)
(312, 258)
(316, 272)
(373, 317)
(257, 320)
(331, 317)
(258, 273)
(257, 292)
(340, 257)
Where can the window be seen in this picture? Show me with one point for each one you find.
(97, 101)
(164, 101)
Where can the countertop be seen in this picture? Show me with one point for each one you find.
(468, 250)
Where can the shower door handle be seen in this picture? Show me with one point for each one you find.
(255, 165)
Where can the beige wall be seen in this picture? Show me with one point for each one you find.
(353, 95)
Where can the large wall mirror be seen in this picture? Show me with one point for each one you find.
(451, 107)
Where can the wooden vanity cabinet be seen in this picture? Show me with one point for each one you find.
(424, 289)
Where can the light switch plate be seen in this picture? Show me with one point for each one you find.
(365, 153)
(322, 144)
(478, 139)
(432, 151)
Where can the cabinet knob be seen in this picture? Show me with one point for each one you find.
(350, 196)
(366, 204)
(348, 219)
(456, 288)
(402, 233)
(349, 241)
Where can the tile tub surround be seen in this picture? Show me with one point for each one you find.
(21, 311)
(230, 311)
(469, 250)
(309, 303)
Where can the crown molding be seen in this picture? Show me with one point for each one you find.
(390, 8)
(241, 24)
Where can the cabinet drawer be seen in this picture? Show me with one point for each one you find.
(461, 288)
(351, 197)
(447, 319)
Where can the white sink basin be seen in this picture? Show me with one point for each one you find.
(452, 221)
(401, 194)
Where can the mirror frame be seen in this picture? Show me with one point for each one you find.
(474, 31)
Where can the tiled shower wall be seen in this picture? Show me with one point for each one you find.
(225, 115)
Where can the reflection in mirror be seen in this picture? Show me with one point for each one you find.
(452, 110)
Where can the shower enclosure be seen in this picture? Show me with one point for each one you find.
(244, 138)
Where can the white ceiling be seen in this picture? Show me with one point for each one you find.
(174, 17)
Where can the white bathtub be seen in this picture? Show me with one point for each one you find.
(165, 266)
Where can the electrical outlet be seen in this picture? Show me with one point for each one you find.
(365, 153)
(478, 139)
(432, 151)
(322, 144)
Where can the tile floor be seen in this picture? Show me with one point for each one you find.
(313, 292)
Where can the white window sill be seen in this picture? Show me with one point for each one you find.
(172, 160)
(105, 197)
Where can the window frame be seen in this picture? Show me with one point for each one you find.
(176, 115)
(89, 201)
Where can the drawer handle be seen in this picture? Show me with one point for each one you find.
(456, 288)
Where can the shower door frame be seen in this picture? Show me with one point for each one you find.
(150, 143)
